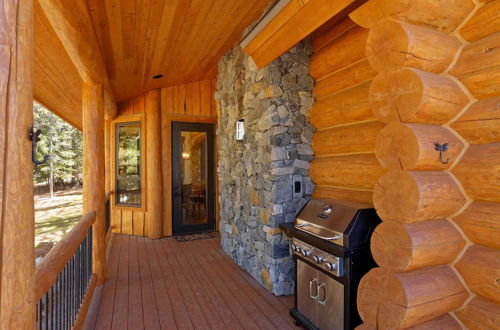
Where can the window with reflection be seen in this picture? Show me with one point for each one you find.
(128, 164)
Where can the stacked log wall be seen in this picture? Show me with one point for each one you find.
(438, 72)
(345, 166)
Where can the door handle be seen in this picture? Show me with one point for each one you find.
(311, 285)
(321, 287)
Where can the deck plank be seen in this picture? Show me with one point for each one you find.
(153, 284)
(149, 305)
(120, 309)
(165, 313)
(202, 300)
(135, 312)
(105, 314)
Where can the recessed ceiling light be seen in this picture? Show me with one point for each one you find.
(158, 76)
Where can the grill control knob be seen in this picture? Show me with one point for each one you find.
(318, 259)
(306, 253)
(330, 266)
(294, 247)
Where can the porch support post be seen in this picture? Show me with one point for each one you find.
(17, 224)
(93, 172)
(154, 181)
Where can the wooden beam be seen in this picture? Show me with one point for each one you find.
(93, 172)
(17, 252)
(73, 25)
(295, 22)
(16, 199)
(154, 211)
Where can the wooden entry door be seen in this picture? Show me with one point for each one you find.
(193, 177)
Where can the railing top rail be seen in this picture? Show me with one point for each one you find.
(52, 264)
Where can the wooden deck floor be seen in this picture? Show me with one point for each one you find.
(164, 284)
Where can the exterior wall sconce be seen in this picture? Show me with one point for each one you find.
(185, 155)
(240, 129)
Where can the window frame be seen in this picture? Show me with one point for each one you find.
(123, 120)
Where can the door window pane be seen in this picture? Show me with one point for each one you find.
(128, 164)
(194, 177)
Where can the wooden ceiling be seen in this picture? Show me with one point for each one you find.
(56, 82)
(181, 39)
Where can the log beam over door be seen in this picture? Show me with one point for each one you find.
(73, 25)
(17, 252)
(93, 172)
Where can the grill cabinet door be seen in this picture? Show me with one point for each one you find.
(307, 286)
(330, 303)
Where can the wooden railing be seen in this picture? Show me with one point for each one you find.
(64, 282)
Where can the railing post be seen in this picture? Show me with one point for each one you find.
(93, 172)
(17, 225)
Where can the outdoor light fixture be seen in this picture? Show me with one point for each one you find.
(185, 155)
(240, 129)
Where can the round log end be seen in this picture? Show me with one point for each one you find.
(393, 44)
(401, 247)
(412, 147)
(408, 197)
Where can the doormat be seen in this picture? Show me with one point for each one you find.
(194, 237)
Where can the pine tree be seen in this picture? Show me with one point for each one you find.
(66, 156)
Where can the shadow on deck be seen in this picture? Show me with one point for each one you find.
(164, 284)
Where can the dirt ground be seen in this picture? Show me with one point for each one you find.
(55, 217)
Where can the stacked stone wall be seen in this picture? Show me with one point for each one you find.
(257, 175)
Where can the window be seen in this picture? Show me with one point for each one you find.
(128, 164)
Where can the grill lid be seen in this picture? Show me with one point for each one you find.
(339, 222)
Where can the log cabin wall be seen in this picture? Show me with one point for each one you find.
(437, 81)
(192, 102)
(345, 166)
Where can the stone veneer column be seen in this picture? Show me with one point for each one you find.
(257, 175)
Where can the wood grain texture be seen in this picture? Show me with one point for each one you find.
(346, 107)
(416, 196)
(400, 300)
(17, 232)
(309, 17)
(480, 268)
(479, 172)
(411, 147)
(480, 314)
(154, 212)
(411, 46)
(480, 124)
(48, 270)
(93, 172)
(478, 67)
(410, 95)
(71, 22)
(352, 171)
(485, 22)
(171, 285)
(181, 39)
(344, 50)
(359, 138)
(56, 82)
(404, 247)
(481, 223)
(427, 13)
(353, 195)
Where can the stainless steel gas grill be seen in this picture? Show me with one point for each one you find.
(331, 245)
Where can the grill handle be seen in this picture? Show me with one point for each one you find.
(311, 286)
(332, 238)
(322, 301)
